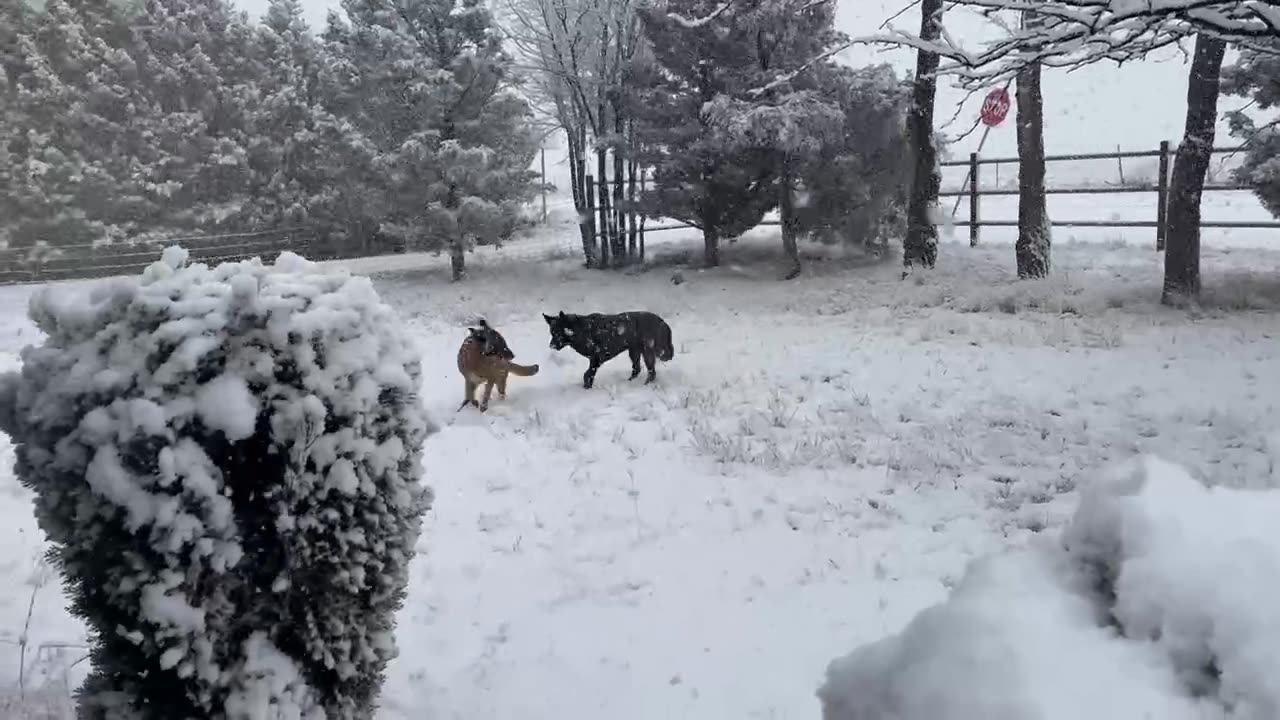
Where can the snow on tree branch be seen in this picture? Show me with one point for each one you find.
(1072, 33)
(699, 22)
(721, 9)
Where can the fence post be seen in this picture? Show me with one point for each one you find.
(974, 217)
(602, 213)
(643, 217)
(619, 213)
(544, 186)
(591, 216)
(1162, 195)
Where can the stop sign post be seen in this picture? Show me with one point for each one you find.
(995, 108)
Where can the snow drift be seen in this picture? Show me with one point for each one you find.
(227, 461)
(1159, 600)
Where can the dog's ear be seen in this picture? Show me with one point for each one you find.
(473, 332)
(483, 323)
(550, 320)
(562, 315)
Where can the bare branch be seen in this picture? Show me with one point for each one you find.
(699, 22)
(1074, 33)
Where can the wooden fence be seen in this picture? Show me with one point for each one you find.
(600, 235)
(972, 188)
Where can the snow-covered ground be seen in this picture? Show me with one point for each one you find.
(817, 465)
(1158, 600)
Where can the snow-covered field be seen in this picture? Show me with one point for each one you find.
(817, 465)
(1157, 601)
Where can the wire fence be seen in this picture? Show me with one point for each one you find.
(86, 261)
(49, 263)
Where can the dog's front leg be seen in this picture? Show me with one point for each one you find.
(589, 377)
(488, 391)
(470, 398)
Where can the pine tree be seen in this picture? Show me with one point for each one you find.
(702, 175)
(486, 140)
(785, 113)
(290, 147)
(854, 190)
(428, 82)
(77, 133)
(1256, 75)
(198, 66)
(14, 29)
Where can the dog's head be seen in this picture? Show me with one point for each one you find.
(561, 327)
(491, 341)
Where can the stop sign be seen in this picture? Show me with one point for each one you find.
(995, 108)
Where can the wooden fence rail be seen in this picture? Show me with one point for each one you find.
(972, 189)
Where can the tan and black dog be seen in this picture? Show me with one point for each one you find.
(485, 359)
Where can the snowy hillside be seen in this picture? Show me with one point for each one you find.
(819, 463)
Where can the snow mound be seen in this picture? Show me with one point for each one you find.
(1159, 600)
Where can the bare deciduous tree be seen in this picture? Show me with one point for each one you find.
(921, 244)
(1032, 248)
(1073, 33)
(1182, 250)
(575, 54)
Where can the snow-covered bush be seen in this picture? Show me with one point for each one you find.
(227, 461)
(1158, 600)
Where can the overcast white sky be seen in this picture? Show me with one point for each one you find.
(315, 9)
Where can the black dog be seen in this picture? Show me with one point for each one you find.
(600, 338)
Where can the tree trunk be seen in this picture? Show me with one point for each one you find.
(1190, 165)
(577, 180)
(619, 173)
(787, 219)
(921, 244)
(708, 210)
(1034, 232)
(710, 246)
(631, 208)
(643, 218)
(457, 260)
(457, 243)
(602, 199)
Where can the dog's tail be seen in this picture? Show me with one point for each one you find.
(666, 350)
(522, 370)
